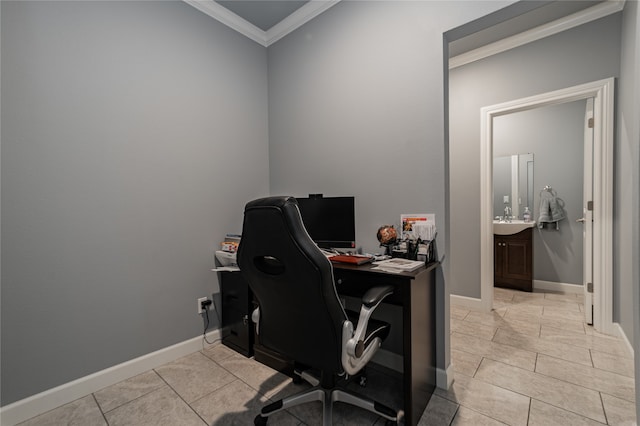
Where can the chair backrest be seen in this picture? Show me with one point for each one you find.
(300, 313)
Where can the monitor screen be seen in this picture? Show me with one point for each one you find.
(330, 221)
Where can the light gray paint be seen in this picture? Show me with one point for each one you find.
(628, 165)
(355, 108)
(555, 136)
(559, 61)
(501, 183)
(133, 133)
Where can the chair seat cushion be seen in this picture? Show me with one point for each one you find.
(375, 328)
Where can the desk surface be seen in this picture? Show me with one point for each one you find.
(369, 268)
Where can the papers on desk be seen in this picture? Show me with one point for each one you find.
(398, 264)
(226, 269)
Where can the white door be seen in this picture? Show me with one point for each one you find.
(587, 214)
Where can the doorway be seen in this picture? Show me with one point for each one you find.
(602, 93)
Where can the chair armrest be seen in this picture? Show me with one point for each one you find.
(375, 295)
(354, 353)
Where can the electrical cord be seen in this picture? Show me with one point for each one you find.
(206, 325)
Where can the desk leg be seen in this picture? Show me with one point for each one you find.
(419, 346)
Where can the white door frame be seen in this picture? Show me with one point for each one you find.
(602, 92)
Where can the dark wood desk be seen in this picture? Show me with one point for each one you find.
(415, 293)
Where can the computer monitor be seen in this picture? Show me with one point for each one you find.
(330, 221)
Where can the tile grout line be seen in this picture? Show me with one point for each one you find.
(100, 408)
(180, 396)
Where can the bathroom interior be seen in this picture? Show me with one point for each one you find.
(538, 156)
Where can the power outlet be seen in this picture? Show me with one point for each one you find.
(200, 300)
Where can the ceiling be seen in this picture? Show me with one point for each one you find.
(263, 21)
(264, 14)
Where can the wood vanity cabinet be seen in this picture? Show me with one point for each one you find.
(513, 260)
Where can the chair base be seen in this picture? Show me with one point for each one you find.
(328, 397)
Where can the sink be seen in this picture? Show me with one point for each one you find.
(510, 228)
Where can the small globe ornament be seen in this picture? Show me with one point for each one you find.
(387, 236)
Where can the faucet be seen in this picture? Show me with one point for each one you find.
(507, 214)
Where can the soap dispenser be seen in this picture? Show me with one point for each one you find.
(526, 215)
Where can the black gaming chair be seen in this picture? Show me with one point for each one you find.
(299, 314)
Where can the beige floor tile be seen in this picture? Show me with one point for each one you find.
(237, 404)
(524, 295)
(568, 297)
(619, 412)
(577, 399)
(468, 327)
(458, 312)
(555, 313)
(439, 411)
(521, 316)
(493, 350)
(503, 293)
(543, 414)
(602, 343)
(524, 310)
(468, 417)
(194, 376)
(264, 379)
(465, 362)
(570, 306)
(613, 363)
(563, 324)
(521, 326)
(160, 407)
(544, 346)
(491, 319)
(589, 377)
(218, 352)
(81, 412)
(492, 401)
(128, 390)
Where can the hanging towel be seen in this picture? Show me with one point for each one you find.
(551, 210)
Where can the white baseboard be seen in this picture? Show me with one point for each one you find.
(623, 335)
(34, 405)
(444, 378)
(466, 302)
(539, 285)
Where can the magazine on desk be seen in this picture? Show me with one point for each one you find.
(399, 264)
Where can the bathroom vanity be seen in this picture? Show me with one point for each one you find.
(513, 255)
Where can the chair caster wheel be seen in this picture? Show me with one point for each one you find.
(260, 421)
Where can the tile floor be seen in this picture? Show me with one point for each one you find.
(532, 361)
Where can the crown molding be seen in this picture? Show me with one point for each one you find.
(570, 21)
(265, 38)
(230, 19)
(298, 18)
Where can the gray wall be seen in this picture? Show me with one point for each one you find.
(133, 133)
(586, 53)
(627, 296)
(555, 136)
(355, 108)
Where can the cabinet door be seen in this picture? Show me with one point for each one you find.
(517, 259)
